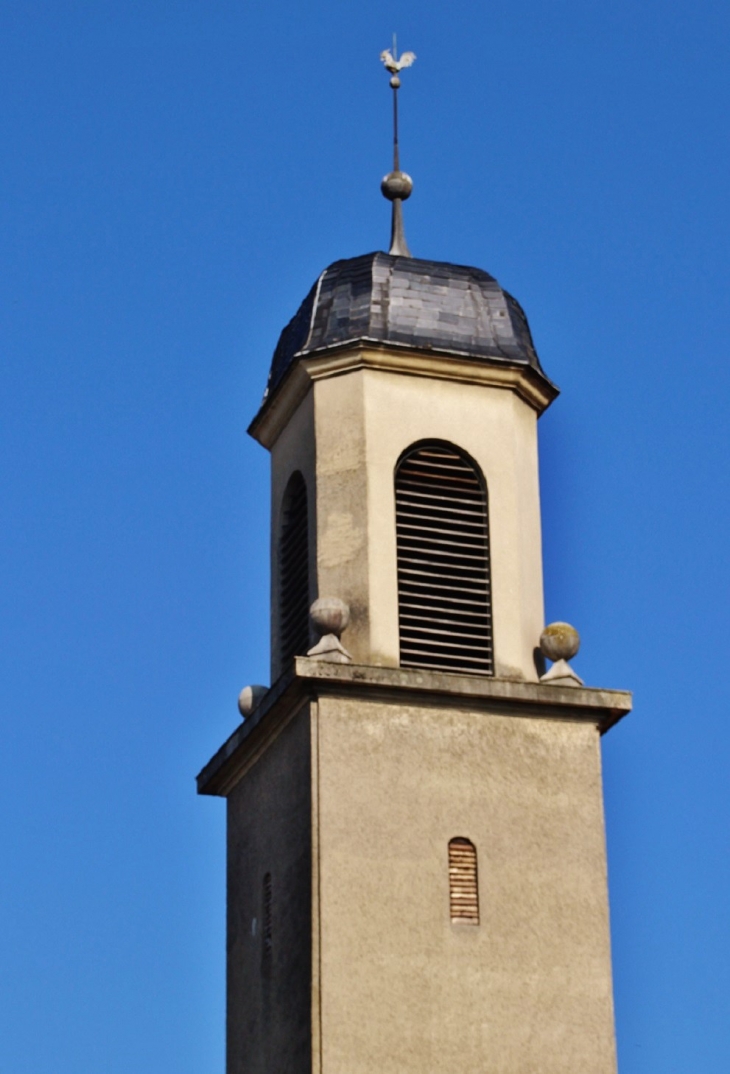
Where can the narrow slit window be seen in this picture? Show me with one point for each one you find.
(463, 882)
(442, 537)
(267, 935)
(294, 571)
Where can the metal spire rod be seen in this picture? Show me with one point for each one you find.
(397, 186)
(396, 87)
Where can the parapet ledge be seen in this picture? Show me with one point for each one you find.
(308, 679)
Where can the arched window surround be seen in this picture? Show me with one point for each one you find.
(445, 617)
(463, 882)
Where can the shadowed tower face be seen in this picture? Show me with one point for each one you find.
(416, 857)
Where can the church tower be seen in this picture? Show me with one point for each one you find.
(416, 854)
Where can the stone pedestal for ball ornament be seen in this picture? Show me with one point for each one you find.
(330, 617)
(560, 642)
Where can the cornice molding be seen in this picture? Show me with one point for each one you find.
(536, 390)
(309, 679)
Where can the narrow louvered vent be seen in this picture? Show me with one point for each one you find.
(268, 935)
(294, 572)
(463, 885)
(444, 595)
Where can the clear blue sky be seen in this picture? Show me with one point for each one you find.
(174, 177)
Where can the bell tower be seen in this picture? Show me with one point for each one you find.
(416, 854)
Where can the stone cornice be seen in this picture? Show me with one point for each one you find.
(309, 679)
(275, 412)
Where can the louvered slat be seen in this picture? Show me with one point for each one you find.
(444, 593)
(294, 571)
(463, 882)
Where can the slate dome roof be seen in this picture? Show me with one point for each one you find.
(404, 301)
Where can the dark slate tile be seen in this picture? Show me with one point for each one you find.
(426, 304)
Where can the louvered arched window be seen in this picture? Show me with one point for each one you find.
(294, 571)
(444, 592)
(463, 882)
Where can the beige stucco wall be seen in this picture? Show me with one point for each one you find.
(499, 430)
(343, 529)
(403, 991)
(346, 437)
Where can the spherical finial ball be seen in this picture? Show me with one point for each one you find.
(395, 82)
(330, 615)
(397, 185)
(559, 641)
(249, 698)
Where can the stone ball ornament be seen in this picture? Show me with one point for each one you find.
(250, 698)
(559, 641)
(330, 615)
(397, 185)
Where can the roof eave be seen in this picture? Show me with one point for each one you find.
(520, 376)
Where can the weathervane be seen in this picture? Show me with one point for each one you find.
(397, 186)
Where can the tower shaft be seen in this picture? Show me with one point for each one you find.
(345, 790)
(416, 855)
